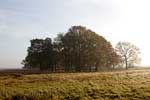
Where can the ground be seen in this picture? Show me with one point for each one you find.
(117, 85)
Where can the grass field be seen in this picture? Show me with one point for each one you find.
(118, 85)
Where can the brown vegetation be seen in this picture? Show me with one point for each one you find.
(119, 85)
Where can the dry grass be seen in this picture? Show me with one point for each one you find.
(119, 85)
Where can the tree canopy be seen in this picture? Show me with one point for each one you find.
(79, 49)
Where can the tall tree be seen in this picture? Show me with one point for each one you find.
(128, 53)
(47, 54)
(85, 50)
(58, 53)
(39, 54)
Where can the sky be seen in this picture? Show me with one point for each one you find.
(116, 20)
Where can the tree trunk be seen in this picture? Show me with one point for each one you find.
(113, 67)
(96, 67)
(126, 62)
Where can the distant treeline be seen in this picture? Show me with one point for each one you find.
(79, 49)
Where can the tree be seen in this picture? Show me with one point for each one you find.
(47, 54)
(84, 50)
(58, 53)
(128, 53)
(39, 54)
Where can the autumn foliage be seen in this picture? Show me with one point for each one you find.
(79, 49)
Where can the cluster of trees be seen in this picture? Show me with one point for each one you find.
(79, 49)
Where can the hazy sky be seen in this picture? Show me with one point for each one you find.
(116, 20)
